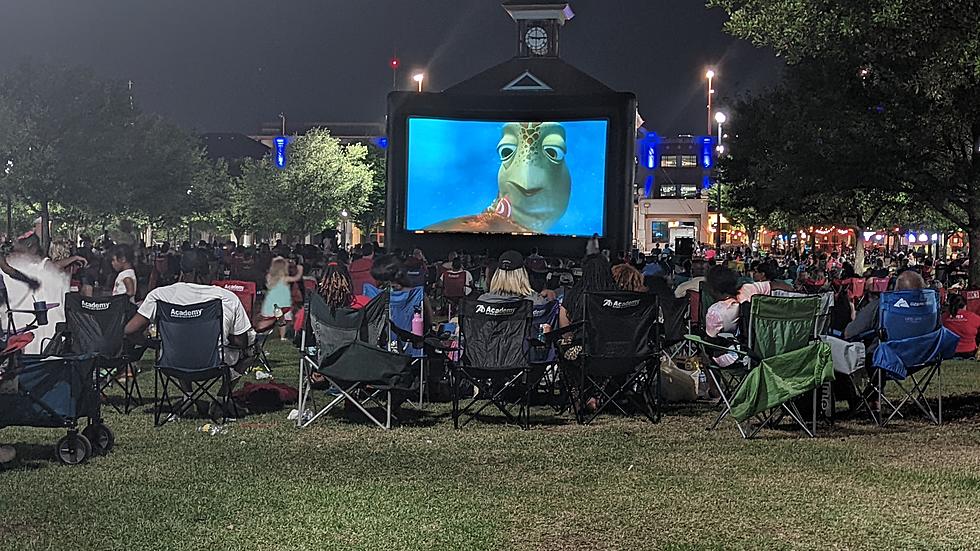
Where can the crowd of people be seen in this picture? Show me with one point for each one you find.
(348, 277)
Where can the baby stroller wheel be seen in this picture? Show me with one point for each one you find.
(74, 449)
(100, 437)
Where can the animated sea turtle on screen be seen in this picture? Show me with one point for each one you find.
(533, 183)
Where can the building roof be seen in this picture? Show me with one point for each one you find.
(531, 75)
(353, 131)
(231, 146)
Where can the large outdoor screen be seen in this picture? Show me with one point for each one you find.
(476, 176)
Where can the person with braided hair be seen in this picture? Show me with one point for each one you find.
(336, 289)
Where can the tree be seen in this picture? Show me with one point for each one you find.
(370, 218)
(70, 124)
(919, 61)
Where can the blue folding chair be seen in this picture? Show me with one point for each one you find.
(912, 346)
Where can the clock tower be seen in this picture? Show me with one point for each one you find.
(538, 24)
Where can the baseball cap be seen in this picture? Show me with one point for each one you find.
(511, 260)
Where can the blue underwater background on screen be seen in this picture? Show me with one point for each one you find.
(453, 167)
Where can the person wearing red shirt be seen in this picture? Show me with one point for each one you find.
(964, 323)
(360, 270)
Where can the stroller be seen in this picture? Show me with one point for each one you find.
(51, 391)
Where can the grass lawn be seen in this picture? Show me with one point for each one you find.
(620, 484)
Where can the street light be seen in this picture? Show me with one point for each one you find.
(710, 75)
(419, 77)
(343, 214)
(720, 118)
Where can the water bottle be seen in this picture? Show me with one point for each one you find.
(702, 385)
(417, 323)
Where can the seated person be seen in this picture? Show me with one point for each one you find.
(723, 315)
(964, 323)
(510, 281)
(693, 284)
(629, 278)
(335, 288)
(192, 288)
(764, 281)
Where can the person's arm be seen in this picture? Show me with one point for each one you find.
(779, 285)
(563, 319)
(18, 275)
(130, 284)
(298, 276)
(863, 322)
(65, 262)
(136, 324)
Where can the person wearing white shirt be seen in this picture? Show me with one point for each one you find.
(122, 263)
(192, 289)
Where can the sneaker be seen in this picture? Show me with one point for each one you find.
(7, 454)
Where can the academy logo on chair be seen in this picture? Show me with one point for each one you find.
(494, 310)
(186, 314)
(620, 304)
(97, 306)
(232, 287)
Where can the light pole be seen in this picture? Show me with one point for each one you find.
(343, 216)
(394, 74)
(419, 77)
(720, 118)
(710, 75)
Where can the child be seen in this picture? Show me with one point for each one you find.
(277, 293)
(122, 263)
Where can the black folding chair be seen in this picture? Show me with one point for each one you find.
(495, 338)
(191, 359)
(347, 354)
(97, 326)
(619, 363)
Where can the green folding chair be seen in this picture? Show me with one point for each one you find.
(780, 361)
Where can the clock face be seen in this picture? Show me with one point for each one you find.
(536, 39)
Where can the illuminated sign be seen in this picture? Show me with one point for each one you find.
(280, 143)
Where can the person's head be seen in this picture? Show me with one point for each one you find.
(765, 271)
(278, 271)
(193, 267)
(388, 269)
(909, 280)
(722, 282)
(628, 278)
(457, 264)
(510, 277)
(29, 245)
(60, 249)
(122, 257)
(367, 250)
(596, 274)
(418, 255)
(955, 303)
(335, 287)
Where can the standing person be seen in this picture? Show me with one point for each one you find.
(278, 294)
(122, 263)
(592, 247)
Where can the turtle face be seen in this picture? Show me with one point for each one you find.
(533, 175)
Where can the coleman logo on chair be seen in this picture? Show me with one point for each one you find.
(902, 303)
(494, 311)
(619, 304)
(98, 306)
(185, 313)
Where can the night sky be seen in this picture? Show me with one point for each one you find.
(228, 65)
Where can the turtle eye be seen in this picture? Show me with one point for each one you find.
(555, 154)
(506, 151)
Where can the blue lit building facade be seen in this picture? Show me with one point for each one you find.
(673, 183)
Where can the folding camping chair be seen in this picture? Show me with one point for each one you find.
(347, 354)
(453, 290)
(620, 355)
(675, 317)
(779, 361)
(402, 307)
(96, 326)
(880, 284)
(972, 297)
(191, 359)
(244, 290)
(494, 337)
(912, 346)
(543, 355)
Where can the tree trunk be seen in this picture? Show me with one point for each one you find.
(859, 251)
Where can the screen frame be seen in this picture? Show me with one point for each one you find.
(605, 174)
(618, 109)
